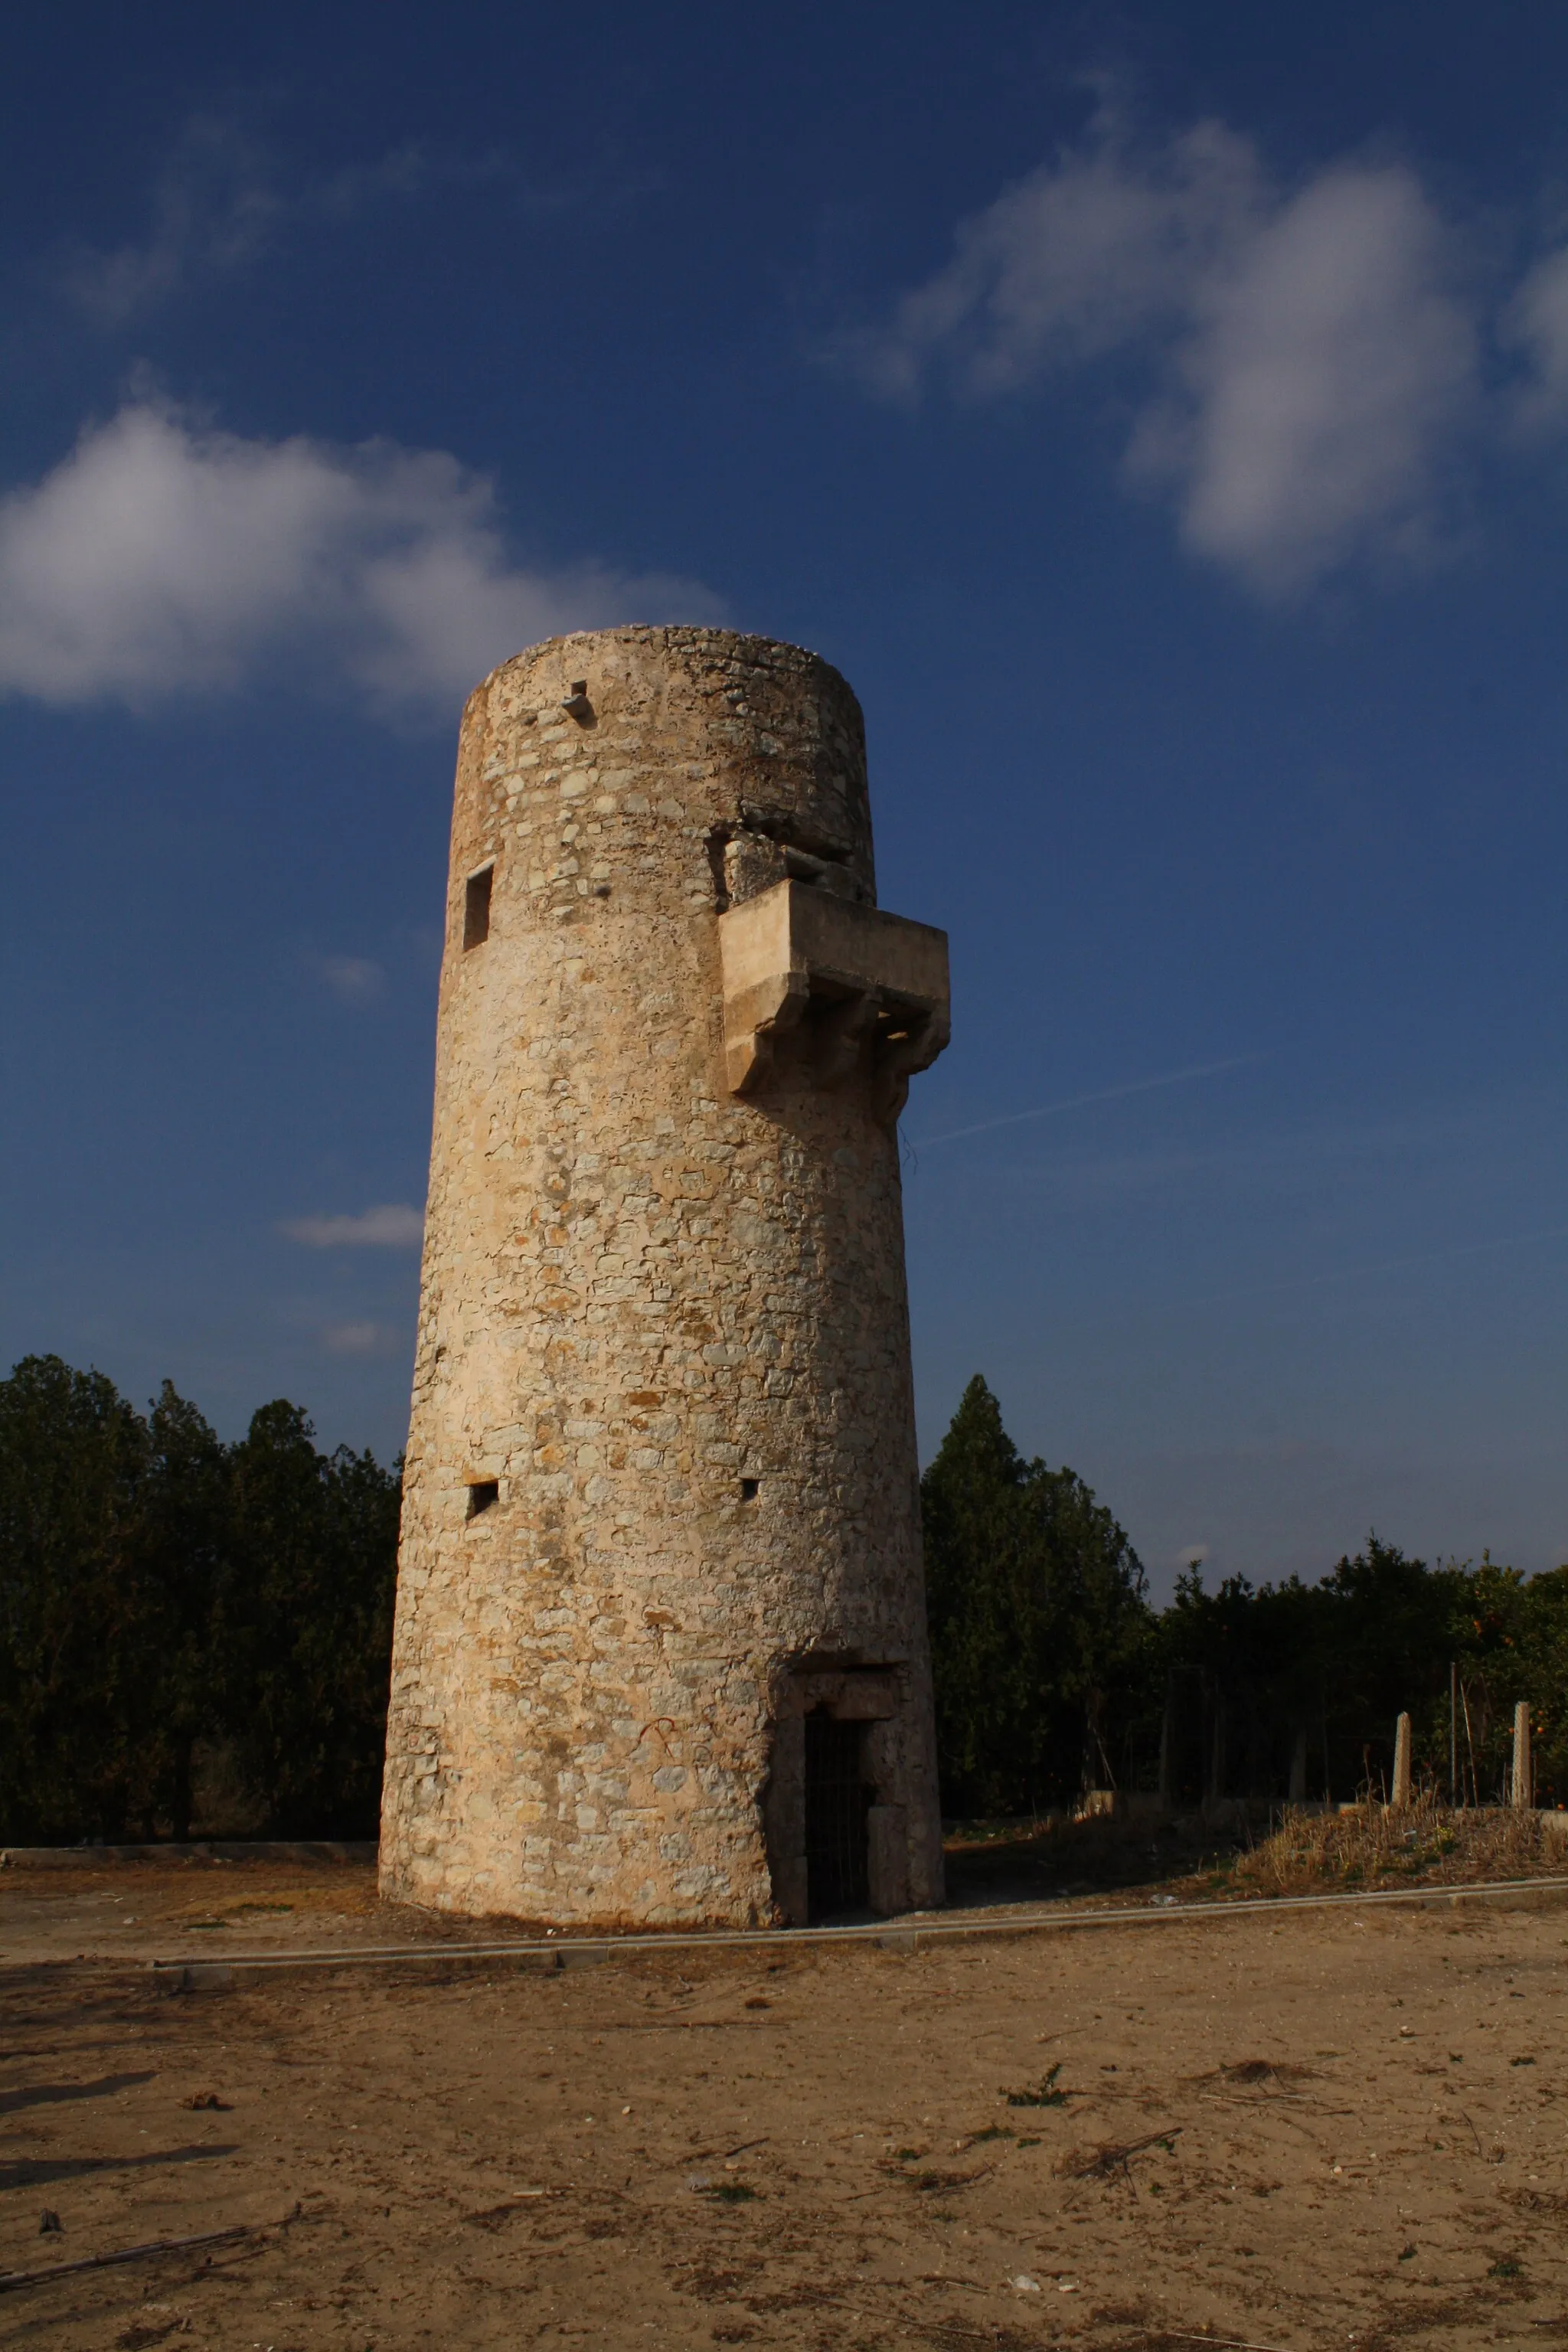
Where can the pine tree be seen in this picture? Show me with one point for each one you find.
(159, 1590)
(1037, 1619)
(78, 1620)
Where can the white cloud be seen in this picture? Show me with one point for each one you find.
(395, 1225)
(1324, 369)
(1537, 319)
(354, 979)
(163, 557)
(1084, 255)
(1306, 360)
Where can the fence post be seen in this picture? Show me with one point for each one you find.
(1522, 1792)
(1401, 1794)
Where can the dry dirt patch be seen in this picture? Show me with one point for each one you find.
(1287, 2131)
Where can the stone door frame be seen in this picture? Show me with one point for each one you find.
(873, 1695)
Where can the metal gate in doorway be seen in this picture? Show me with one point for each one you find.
(837, 1799)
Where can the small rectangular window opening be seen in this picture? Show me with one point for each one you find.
(476, 908)
(749, 1490)
(482, 1492)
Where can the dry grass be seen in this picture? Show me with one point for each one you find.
(1424, 1844)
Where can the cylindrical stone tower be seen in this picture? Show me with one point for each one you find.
(661, 1655)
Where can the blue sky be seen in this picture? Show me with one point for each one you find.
(1159, 413)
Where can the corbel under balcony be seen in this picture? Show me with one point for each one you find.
(815, 979)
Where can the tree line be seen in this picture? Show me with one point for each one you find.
(185, 1622)
(1055, 1674)
(195, 1631)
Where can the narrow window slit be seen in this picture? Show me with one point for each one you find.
(482, 1492)
(476, 908)
(749, 1490)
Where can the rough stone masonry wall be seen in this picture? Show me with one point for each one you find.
(641, 1291)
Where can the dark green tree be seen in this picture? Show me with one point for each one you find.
(1386, 1630)
(79, 1622)
(166, 1598)
(1038, 1623)
(1507, 1634)
(1331, 1665)
(306, 1623)
(182, 1537)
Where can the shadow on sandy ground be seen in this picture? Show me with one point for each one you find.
(995, 1863)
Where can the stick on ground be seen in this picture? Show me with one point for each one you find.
(1107, 2161)
(9, 2279)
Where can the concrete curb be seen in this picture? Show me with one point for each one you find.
(80, 1857)
(894, 1935)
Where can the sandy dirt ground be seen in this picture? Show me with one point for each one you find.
(1304, 2130)
(202, 1909)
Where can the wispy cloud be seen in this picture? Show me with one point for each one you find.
(163, 557)
(358, 1338)
(1307, 357)
(213, 209)
(1536, 321)
(223, 199)
(394, 1225)
(353, 979)
(1081, 1102)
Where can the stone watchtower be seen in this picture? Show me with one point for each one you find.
(660, 1654)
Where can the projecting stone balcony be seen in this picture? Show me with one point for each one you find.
(816, 980)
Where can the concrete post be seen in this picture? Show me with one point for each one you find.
(1521, 1793)
(1401, 1794)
